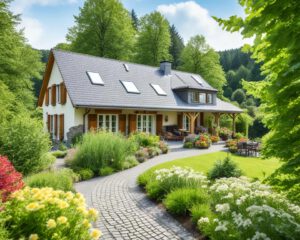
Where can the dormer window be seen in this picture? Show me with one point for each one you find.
(201, 98)
(209, 98)
(195, 97)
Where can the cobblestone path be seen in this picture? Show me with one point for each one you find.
(126, 212)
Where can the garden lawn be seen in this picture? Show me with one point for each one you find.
(251, 166)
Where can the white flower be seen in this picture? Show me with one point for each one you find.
(203, 220)
(222, 226)
(259, 235)
(223, 208)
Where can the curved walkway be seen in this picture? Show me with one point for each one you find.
(125, 211)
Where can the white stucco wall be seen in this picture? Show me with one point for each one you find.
(66, 109)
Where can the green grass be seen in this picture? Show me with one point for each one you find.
(251, 166)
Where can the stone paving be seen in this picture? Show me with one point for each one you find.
(125, 210)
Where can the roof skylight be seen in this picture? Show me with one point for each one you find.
(158, 89)
(126, 67)
(130, 87)
(95, 78)
(197, 79)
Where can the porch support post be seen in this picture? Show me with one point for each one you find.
(217, 123)
(233, 116)
(193, 116)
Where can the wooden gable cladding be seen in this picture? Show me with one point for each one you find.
(92, 121)
(122, 123)
(61, 127)
(47, 97)
(132, 123)
(63, 93)
(159, 124)
(108, 111)
(53, 95)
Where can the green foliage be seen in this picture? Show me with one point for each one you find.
(59, 180)
(135, 20)
(25, 143)
(177, 45)
(180, 201)
(77, 139)
(276, 47)
(102, 149)
(201, 210)
(106, 171)
(103, 28)
(62, 147)
(238, 96)
(130, 162)
(153, 41)
(59, 154)
(144, 139)
(142, 155)
(226, 168)
(85, 174)
(198, 57)
(44, 213)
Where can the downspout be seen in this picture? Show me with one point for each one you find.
(86, 112)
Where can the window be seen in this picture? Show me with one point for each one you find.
(195, 97)
(51, 125)
(202, 98)
(95, 78)
(145, 123)
(186, 122)
(158, 89)
(108, 122)
(126, 67)
(130, 87)
(197, 79)
(209, 98)
(58, 93)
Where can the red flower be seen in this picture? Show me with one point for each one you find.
(10, 179)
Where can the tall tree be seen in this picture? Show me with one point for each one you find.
(103, 28)
(199, 57)
(135, 20)
(19, 63)
(275, 27)
(176, 47)
(154, 40)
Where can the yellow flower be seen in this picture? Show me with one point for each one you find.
(96, 234)
(82, 210)
(51, 223)
(86, 223)
(62, 220)
(69, 195)
(93, 212)
(33, 237)
(33, 206)
(63, 205)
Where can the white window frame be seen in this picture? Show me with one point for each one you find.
(209, 98)
(95, 78)
(110, 123)
(186, 122)
(143, 123)
(195, 97)
(58, 93)
(200, 99)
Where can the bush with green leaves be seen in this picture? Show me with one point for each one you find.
(85, 173)
(24, 142)
(224, 169)
(188, 145)
(77, 139)
(101, 149)
(181, 200)
(105, 171)
(130, 162)
(144, 139)
(44, 213)
(59, 154)
(62, 147)
(200, 210)
(59, 180)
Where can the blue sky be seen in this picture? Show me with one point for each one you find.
(46, 22)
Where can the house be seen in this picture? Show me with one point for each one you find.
(82, 92)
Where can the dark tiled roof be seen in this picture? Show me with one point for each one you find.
(83, 93)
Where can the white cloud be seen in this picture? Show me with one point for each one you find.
(33, 30)
(20, 6)
(191, 19)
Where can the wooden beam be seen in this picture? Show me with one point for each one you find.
(192, 116)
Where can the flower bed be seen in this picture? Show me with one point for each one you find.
(34, 213)
(228, 208)
(202, 141)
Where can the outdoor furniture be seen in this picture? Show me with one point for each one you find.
(183, 132)
(248, 148)
(172, 137)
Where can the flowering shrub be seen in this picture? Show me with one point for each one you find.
(144, 139)
(225, 133)
(43, 213)
(230, 143)
(163, 147)
(165, 180)
(214, 139)
(250, 210)
(202, 141)
(10, 179)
